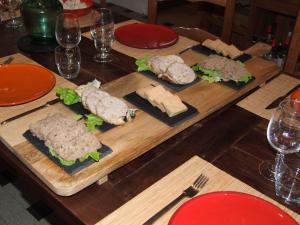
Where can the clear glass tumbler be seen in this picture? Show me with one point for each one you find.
(287, 177)
(68, 62)
(102, 32)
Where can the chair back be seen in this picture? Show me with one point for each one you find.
(229, 6)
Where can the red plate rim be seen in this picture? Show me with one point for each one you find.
(269, 204)
(51, 80)
(149, 26)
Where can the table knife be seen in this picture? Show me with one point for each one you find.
(52, 102)
(276, 102)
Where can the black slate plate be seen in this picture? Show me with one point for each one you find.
(79, 109)
(39, 144)
(157, 113)
(232, 84)
(175, 87)
(206, 51)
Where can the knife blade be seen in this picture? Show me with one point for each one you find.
(276, 102)
(52, 102)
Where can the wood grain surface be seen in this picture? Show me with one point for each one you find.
(143, 206)
(132, 139)
(232, 139)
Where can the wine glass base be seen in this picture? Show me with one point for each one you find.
(99, 59)
(266, 169)
(14, 23)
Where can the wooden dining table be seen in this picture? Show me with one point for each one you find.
(231, 138)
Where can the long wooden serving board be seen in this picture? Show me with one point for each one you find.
(132, 139)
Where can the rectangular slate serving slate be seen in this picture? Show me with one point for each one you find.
(157, 113)
(232, 84)
(40, 145)
(79, 109)
(175, 87)
(206, 51)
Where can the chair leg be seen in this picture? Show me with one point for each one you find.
(152, 11)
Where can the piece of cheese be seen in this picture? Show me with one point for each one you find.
(208, 43)
(221, 47)
(160, 99)
(233, 51)
(141, 92)
(154, 93)
(174, 106)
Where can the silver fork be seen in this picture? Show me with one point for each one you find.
(190, 192)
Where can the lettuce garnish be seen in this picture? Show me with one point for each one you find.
(95, 155)
(143, 64)
(92, 121)
(209, 75)
(68, 95)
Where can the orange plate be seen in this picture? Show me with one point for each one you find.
(21, 83)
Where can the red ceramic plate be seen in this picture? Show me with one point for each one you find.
(21, 83)
(230, 208)
(146, 36)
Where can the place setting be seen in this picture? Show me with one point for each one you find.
(195, 192)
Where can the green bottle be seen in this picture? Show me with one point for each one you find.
(39, 18)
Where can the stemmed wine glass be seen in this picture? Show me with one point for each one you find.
(283, 135)
(11, 6)
(102, 32)
(67, 32)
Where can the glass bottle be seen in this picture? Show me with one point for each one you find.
(39, 18)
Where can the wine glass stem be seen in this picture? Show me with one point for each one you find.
(69, 56)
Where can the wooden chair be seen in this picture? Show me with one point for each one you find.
(294, 49)
(228, 15)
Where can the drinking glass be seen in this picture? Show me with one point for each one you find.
(11, 6)
(283, 135)
(68, 65)
(102, 32)
(67, 32)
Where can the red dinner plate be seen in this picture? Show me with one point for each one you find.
(21, 83)
(230, 208)
(146, 36)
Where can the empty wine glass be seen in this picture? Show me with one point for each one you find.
(283, 135)
(102, 32)
(67, 32)
(11, 6)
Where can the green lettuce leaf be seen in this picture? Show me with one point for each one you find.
(92, 121)
(61, 160)
(68, 95)
(246, 78)
(143, 64)
(95, 155)
(209, 75)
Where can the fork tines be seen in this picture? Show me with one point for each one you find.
(200, 181)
